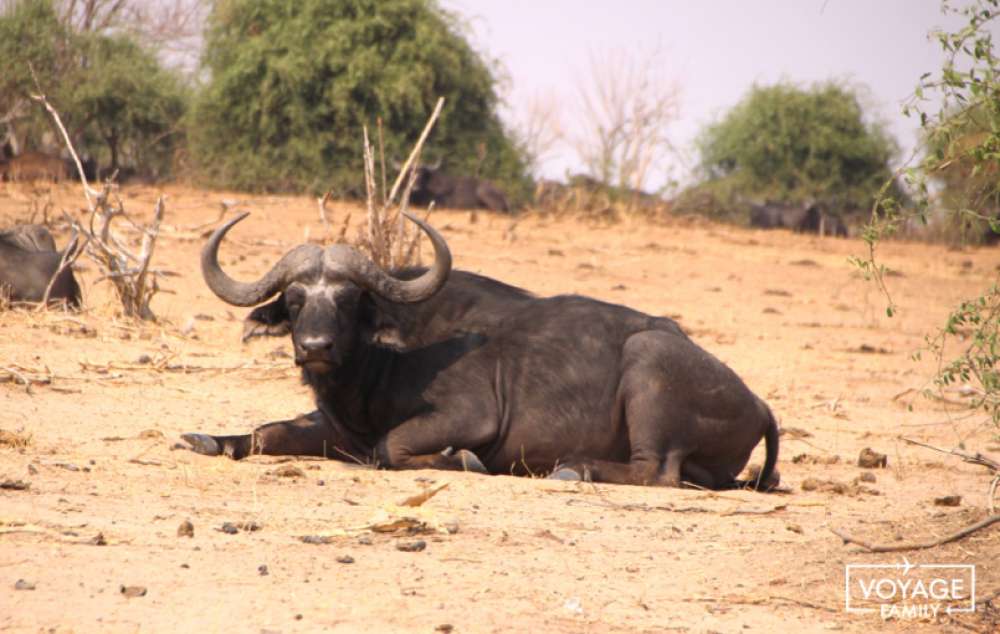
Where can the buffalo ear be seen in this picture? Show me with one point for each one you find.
(379, 328)
(268, 320)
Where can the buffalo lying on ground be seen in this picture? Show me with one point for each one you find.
(431, 184)
(808, 218)
(486, 377)
(28, 260)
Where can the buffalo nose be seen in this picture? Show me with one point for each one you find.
(316, 344)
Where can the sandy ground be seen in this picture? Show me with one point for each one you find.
(106, 493)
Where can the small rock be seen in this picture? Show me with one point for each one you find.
(451, 527)
(316, 539)
(98, 540)
(186, 529)
(345, 559)
(948, 500)
(795, 528)
(365, 540)
(289, 471)
(204, 317)
(869, 459)
(411, 546)
(151, 434)
(444, 627)
(144, 359)
(133, 591)
(14, 485)
(229, 528)
(21, 584)
(867, 476)
(262, 570)
(573, 605)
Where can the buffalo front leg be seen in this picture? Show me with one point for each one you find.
(308, 435)
(433, 442)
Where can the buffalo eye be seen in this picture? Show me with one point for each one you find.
(294, 298)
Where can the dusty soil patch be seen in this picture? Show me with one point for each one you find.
(95, 529)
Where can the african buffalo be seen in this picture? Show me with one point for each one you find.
(28, 260)
(566, 383)
(431, 184)
(805, 218)
(31, 166)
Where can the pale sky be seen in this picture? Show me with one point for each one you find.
(713, 50)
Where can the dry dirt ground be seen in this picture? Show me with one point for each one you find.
(106, 493)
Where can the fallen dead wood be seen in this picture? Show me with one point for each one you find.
(976, 458)
(738, 600)
(893, 548)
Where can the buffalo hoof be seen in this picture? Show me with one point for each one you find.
(203, 444)
(566, 474)
(470, 462)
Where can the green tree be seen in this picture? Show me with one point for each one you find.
(292, 83)
(959, 112)
(117, 101)
(786, 143)
(135, 106)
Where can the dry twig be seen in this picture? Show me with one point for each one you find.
(893, 548)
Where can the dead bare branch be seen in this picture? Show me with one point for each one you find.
(135, 285)
(626, 111)
(416, 151)
(976, 458)
(893, 548)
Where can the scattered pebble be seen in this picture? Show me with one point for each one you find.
(870, 459)
(289, 471)
(345, 559)
(795, 528)
(316, 539)
(186, 529)
(262, 570)
(232, 528)
(804, 458)
(411, 546)
(133, 591)
(98, 540)
(451, 527)
(21, 584)
(444, 627)
(948, 500)
(14, 485)
(573, 606)
(867, 476)
(144, 359)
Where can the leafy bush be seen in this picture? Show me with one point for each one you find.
(118, 103)
(790, 144)
(292, 84)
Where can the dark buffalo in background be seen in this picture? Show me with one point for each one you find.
(28, 260)
(803, 218)
(566, 384)
(432, 184)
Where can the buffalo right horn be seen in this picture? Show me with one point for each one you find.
(299, 261)
(362, 271)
